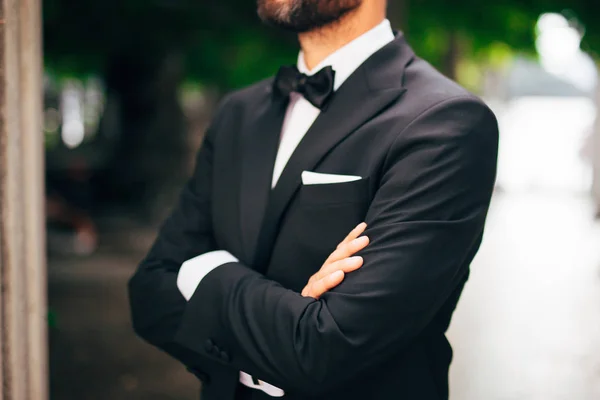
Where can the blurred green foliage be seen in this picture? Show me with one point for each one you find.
(225, 45)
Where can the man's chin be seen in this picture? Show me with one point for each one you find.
(303, 16)
(296, 28)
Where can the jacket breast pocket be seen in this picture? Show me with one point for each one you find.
(318, 220)
(353, 192)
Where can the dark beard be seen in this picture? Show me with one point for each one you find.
(304, 15)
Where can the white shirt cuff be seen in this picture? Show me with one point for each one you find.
(195, 269)
(269, 389)
(189, 277)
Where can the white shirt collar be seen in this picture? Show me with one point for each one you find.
(347, 59)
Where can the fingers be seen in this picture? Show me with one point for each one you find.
(354, 233)
(318, 288)
(340, 262)
(330, 277)
(346, 265)
(348, 249)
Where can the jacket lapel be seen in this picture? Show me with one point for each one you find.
(368, 91)
(259, 148)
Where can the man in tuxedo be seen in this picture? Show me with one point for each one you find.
(255, 282)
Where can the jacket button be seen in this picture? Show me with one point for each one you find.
(225, 357)
(209, 346)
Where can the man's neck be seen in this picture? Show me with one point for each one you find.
(319, 44)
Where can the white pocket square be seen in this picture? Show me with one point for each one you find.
(315, 178)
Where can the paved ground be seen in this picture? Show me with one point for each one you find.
(528, 324)
(94, 354)
(527, 327)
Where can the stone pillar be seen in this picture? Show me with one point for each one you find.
(23, 310)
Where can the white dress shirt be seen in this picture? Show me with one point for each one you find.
(300, 116)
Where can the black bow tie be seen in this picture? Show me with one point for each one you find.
(317, 88)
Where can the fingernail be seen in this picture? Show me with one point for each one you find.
(355, 259)
(337, 275)
(361, 240)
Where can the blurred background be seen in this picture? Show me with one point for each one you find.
(130, 85)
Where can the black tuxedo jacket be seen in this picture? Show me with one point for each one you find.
(426, 150)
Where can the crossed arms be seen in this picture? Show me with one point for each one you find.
(425, 224)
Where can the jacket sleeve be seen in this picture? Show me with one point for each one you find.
(425, 223)
(157, 306)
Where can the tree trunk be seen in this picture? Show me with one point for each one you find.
(452, 56)
(150, 163)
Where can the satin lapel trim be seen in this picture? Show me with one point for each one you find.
(260, 143)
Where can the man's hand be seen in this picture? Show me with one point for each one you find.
(339, 263)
